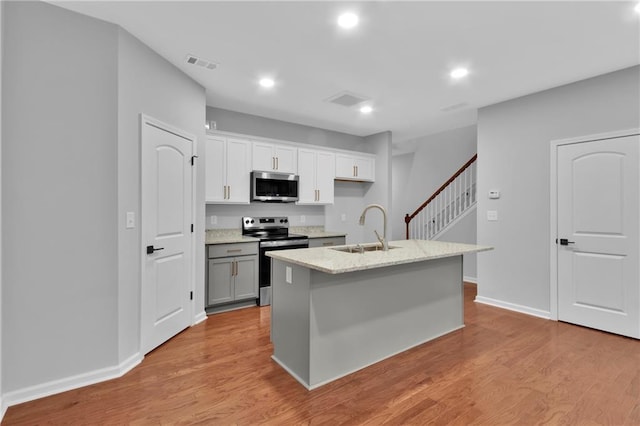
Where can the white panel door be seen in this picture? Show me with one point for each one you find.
(166, 234)
(598, 215)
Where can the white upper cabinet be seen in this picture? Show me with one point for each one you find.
(355, 167)
(227, 170)
(270, 157)
(316, 175)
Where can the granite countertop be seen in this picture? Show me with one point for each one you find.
(406, 251)
(227, 236)
(315, 232)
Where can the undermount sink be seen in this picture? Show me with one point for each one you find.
(360, 248)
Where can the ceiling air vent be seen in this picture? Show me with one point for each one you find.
(194, 60)
(347, 99)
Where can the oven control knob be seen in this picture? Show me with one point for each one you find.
(252, 221)
(246, 221)
(286, 220)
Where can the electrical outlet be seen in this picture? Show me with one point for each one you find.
(492, 215)
(214, 220)
(303, 219)
(343, 217)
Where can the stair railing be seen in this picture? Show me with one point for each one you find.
(451, 200)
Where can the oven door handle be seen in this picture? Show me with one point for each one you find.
(283, 244)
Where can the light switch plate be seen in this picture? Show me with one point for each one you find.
(492, 215)
(131, 220)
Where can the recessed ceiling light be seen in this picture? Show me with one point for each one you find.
(459, 73)
(366, 109)
(348, 20)
(267, 82)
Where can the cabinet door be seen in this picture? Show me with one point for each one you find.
(246, 279)
(238, 170)
(263, 157)
(220, 281)
(364, 168)
(307, 175)
(345, 167)
(215, 169)
(286, 159)
(325, 174)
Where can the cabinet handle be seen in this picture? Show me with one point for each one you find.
(353, 171)
(277, 163)
(356, 171)
(327, 244)
(228, 192)
(236, 263)
(234, 250)
(273, 163)
(318, 195)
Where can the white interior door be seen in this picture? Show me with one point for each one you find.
(598, 215)
(166, 233)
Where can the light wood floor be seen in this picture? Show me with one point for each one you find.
(503, 368)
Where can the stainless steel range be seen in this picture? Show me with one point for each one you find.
(273, 233)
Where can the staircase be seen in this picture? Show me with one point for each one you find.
(450, 203)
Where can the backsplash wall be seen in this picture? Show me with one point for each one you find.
(228, 216)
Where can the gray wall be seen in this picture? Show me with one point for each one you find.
(349, 196)
(419, 174)
(1, 55)
(74, 91)
(380, 192)
(149, 84)
(60, 248)
(513, 151)
(465, 231)
(238, 122)
(435, 160)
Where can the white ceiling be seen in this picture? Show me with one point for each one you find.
(400, 54)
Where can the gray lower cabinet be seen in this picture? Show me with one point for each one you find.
(326, 242)
(232, 278)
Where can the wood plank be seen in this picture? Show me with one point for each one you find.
(502, 368)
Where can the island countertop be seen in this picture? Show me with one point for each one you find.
(332, 261)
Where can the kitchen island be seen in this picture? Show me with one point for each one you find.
(334, 312)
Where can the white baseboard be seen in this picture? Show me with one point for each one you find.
(68, 383)
(513, 307)
(3, 409)
(201, 316)
(472, 280)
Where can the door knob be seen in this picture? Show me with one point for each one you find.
(150, 249)
(566, 242)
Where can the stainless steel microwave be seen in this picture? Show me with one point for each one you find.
(274, 187)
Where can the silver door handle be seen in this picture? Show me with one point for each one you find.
(277, 163)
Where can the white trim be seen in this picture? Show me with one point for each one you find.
(553, 206)
(472, 280)
(461, 216)
(146, 119)
(513, 307)
(68, 383)
(200, 317)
